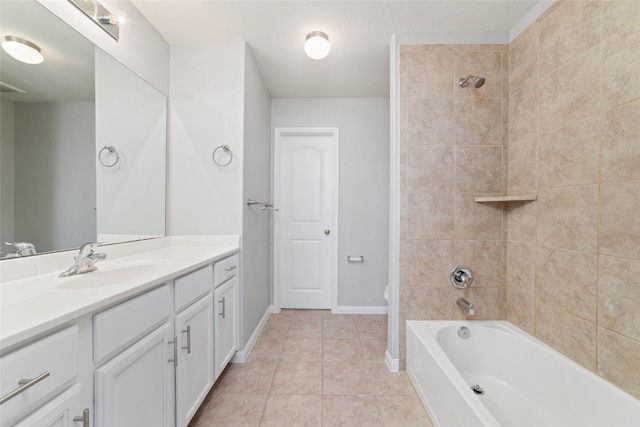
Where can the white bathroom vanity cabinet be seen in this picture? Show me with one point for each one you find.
(146, 359)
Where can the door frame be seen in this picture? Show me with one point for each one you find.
(280, 134)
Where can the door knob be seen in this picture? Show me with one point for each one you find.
(327, 232)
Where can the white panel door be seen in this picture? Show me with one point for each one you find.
(226, 323)
(306, 178)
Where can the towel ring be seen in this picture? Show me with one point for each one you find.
(110, 149)
(226, 149)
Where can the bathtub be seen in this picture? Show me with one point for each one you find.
(525, 382)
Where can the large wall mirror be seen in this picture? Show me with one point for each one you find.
(83, 141)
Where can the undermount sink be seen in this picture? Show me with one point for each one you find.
(109, 275)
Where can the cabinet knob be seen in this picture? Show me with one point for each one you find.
(327, 232)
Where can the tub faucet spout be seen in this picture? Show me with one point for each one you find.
(466, 306)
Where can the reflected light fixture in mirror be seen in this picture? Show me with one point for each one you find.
(317, 45)
(22, 50)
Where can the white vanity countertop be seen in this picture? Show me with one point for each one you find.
(38, 302)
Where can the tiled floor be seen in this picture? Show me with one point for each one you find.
(314, 368)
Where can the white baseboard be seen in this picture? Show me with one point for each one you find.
(392, 364)
(242, 356)
(361, 309)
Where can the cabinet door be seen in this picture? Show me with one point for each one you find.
(194, 373)
(226, 323)
(136, 388)
(59, 412)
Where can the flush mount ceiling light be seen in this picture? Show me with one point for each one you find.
(317, 45)
(22, 50)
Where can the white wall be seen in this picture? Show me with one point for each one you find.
(7, 143)
(206, 110)
(131, 116)
(54, 174)
(140, 48)
(256, 241)
(364, 186)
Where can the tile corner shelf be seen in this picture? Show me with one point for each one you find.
(506, 199)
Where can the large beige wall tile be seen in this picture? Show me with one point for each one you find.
(430, 216)
(523, 112)
(570, 93)
(483, 257)
(619, 295)
(430, 121)
(571, 335)
(478, 169)
(621, 77)
(621, 55)
(476, 221)
(522, 221)
(523, 59)
(429, 262)
(430, 168)
(430, 74)
(620, 154)
(522, 163)
(569, 156)
(619, 224)
(478, 122)
(429, 303)
(567, 218)
(571, 29)
(520, 285)
(619, 360)
(567, 279)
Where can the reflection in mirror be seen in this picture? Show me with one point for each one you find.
(54, 122)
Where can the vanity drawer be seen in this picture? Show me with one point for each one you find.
(225, 269)
(53, 358)
(189, 288)
(118, 327)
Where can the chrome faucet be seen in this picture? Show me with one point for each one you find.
(22, 248)
(85, 261)
(466, 306)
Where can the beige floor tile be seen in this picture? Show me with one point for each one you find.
(373, 350)
(403, 411)
(341, 351)
(300, 350)
(231, 410)
(390, 383)
(346, 379)
(351, 411)
(297, 378)
(292, 410)
(310, 330)
(344, 329)
(253, 377)
(267, 348)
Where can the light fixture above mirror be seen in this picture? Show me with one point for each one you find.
(23, 50)
(317, 45)
(100, 15)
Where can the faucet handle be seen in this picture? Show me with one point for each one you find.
(87, 248)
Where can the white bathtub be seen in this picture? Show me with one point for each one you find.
(526, 382)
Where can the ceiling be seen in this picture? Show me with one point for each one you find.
(360, 33)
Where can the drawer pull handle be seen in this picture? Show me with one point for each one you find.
(175, 352)
(188, 332)
(223, 307)
(228, 269)
(84, 418)
(24, 385)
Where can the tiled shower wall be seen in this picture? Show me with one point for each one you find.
(453, 149)
(573, 256)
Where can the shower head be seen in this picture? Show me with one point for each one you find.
(477, 81)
